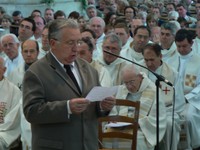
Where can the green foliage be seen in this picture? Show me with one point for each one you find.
(84, 3)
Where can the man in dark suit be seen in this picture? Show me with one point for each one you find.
(59, 118)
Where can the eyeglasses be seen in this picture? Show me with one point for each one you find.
(129, 83)
(70, 43)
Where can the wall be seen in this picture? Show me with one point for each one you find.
(26, 7)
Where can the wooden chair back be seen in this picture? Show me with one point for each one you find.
(117, 133)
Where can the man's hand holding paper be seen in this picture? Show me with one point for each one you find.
(99, 93)
(105, 95)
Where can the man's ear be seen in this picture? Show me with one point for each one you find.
(191, 42)
(52, 43)
(4, 70)
(161, 56)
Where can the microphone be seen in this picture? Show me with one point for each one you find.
(162, 78)
(159, 77)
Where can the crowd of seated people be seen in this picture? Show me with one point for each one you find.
(163, 36)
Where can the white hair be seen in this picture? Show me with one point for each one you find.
(177, 24)
(130, 68)
(173, 15)
(97, 18)
(16, 40)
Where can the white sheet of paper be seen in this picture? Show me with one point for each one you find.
(98, 93)
(117, 124)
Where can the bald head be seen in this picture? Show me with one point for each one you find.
(30, 51)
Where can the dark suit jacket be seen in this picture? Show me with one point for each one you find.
(46, 89)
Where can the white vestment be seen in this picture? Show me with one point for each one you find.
(196, 46)
(127, 44)
(132, 55)
(12, 64)
(26, 135)
(167, 94)
(104, 76)
(146, 138)
(97, 53)
(170, 55)
(114, 69)
(10, 96)
(17, 75)
(42, 53)
(189, 75)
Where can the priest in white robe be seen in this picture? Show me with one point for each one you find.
(122, 30)
(113, 64)
(10, 45)
(196, 41)
(97, 24)
(188, 66)
(137, 87)
(85, 51)
(10, 96)
(169, 50)
(141, 38)
(175, 105)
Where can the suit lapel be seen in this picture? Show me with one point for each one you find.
(83, 75)
(61, 72)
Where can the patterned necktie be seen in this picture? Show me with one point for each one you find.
(71, 75)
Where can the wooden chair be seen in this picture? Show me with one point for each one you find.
(113, 134)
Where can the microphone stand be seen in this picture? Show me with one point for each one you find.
(159, 78)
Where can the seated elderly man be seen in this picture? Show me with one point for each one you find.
(9, 108)
(137, 87)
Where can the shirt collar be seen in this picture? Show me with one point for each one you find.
(72, 64)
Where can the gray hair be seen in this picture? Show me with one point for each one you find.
(130, 68)
(170, 26)
(177, 25)
(58, 24)
(91, 7)
(142, 14)
(97, 18)
(113, 39)
(16, 40)
(173, 15)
